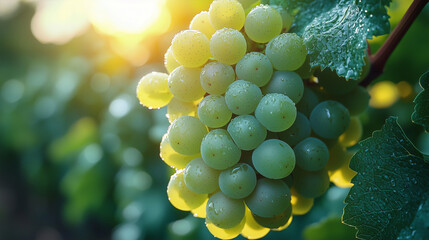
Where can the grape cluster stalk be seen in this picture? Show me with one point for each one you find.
(256, 134)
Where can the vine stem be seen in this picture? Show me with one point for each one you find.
(379, 59)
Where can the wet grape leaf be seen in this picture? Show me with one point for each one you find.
(335, 31)
(391, 187)
(330, 228)
(421, 109)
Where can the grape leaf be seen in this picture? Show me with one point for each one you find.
(421, 109)
(390, 188)
(330, 228)
(335, 31)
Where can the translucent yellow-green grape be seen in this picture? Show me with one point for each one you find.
(191, 48)
(184, 83)
(173, 158)
(343, 176)
(201, 178)
(252, 229)
(353, 133)
(228, 46)
(200, 212)
(152, 90)
(170, 62)
(216, 77)
(201, 22)
(286, 225)
(185, 135)
(222, 233)
(263, 23)
(180, 196)
(177, 108)
(225, 212)
(287, 52)
(226, 13)
(300, 204)
(247, 3)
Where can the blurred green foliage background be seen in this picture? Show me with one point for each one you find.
(79, 157)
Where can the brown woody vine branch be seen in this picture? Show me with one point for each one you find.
(379, 59)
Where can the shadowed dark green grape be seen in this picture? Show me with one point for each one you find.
(305, 71)
(247, 132)
(224, 212)
(337, 157)
(269, 199)
(353, 133)
(275, 222)
(299, 130)
(355, 101)
(219, 151)
(242, 97)
(213, 111)
(254, 67)
(276, 112)
(185, 135)
(238, 181)
(311, 154)
(274, 159)
(201, 178)
(329, 119)
(308, 101)
(215, 77)
(287, 83)
(311, 184)
(287, 52)
(333, 84)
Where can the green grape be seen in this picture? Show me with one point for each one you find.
(226, 14)
(254, 67)
(200, 212)
(288, 180)
(355, 101)
(247, 132)
(308, 102)
(287, 19)
(247, 3)
(152, 90)
(333, 84)
(213, 111)
(171, 157)
(329, 119)
(274, 159)
(185, 135)
(287, 83)
(299, 130)
(305, 70)
(269, 199)
(263, 23)
(277, 221)
(287, 52)
(311, 154)
(216, 77)
(180, 196)
(242, 97)
(219, 150)
(337, 157)
(170, 62)
(184, 83)
(353, 133)
(252, 229)
(177, 108)
(276, 112)
(201, 22)
(225, 233)
(224, 212)
(228, 45)
(237, 181)
(343, 176)
(300, 204)
(311, 184)
(191, 48)
(200, 178)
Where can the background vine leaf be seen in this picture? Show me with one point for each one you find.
(421, 109)
(391, 188)
(335, 31)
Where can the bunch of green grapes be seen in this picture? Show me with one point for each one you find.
(253, 137)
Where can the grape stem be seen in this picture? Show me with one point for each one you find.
(379, 59)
